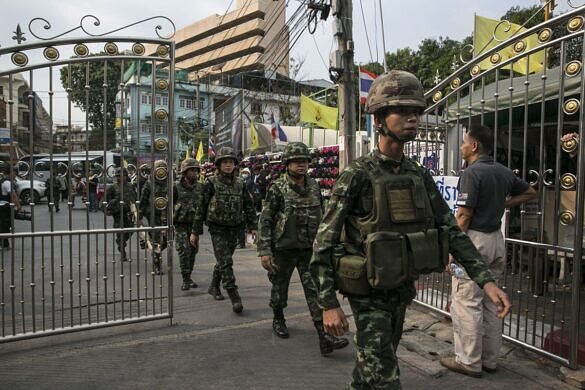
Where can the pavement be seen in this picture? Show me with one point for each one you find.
(206, 346)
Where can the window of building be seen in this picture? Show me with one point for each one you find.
(185, 101)
(145, 127)
(161, 100)
(160, 129)
(2, 90)
(146, 98)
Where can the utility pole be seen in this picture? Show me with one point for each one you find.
(343, 60)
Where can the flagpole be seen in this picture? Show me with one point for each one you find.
(383, 40)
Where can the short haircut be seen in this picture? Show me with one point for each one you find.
(484, 135)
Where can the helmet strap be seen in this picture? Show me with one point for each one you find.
(384, 130)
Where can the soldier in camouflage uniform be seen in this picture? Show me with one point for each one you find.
(186, 199)
(124, 213)
(287, 227)
(387, 223)
(154, 199)
(226, 206)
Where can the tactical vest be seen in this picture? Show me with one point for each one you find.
(296, 226)
(113, 205)
(187, 199)
(226, 206)
(399, 235)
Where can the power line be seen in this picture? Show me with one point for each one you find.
(366, 30)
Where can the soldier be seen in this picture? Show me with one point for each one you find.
(186, 199)
(386, 223)
(121, 205)
(226, 206)
(287, 227)
(154, 196)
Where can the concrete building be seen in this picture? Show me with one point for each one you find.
(17, 113)
(74, 140)
(252, 37)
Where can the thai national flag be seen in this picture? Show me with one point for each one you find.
(366, 79)
(210, 151)
(276, 129)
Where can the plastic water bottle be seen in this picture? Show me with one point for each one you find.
(457, 270)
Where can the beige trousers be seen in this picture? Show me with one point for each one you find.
(477, 330)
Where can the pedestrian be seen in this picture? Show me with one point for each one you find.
(486, 188)
(245, 174)
(63, 188)
(153, 206)
(7, 195)
(385, 224)
(287, 228)
(226, 207)
(53, 192)
(92, 185)
(121, 205)
(186, 200)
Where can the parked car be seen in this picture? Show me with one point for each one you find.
(24, 192)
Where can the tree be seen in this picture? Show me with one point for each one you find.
(73, 78)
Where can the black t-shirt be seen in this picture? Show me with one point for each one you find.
(483, 187)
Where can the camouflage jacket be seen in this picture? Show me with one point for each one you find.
(114, 196)
(352, 196)
(147, 199)
(210, 196)
(290, 215)
(186, 202)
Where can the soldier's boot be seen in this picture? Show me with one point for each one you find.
(327, 342)
(237, 306)
(156, 262)
(279, 324)
(214, 289)
(186, 282)
(123, 256)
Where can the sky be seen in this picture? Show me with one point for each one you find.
(406, 23)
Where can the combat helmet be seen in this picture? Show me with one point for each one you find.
(225, 153)
(189, 163)
(395, 88)
(295, 150)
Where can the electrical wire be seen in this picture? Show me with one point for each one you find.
(366, 30)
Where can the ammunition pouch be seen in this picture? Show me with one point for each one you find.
(350, 275)
(393, 258)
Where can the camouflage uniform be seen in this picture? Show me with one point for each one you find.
(226, 206)
(186, 199)
(379, 315)
(124, 215)
(287, 228)
(154, 199)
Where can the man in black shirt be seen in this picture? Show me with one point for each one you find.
(486, 189)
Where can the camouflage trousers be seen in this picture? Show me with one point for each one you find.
(285, 262)
(157, 237)
(185, 250)
(122, 238)
(224, 245)
(379, 320)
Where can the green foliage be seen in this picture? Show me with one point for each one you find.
(76, 77)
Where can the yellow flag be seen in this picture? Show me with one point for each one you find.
(199, 155)
(483, 41)
(317, 113)
(254, 141)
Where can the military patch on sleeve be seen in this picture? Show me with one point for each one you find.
(462, 198)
